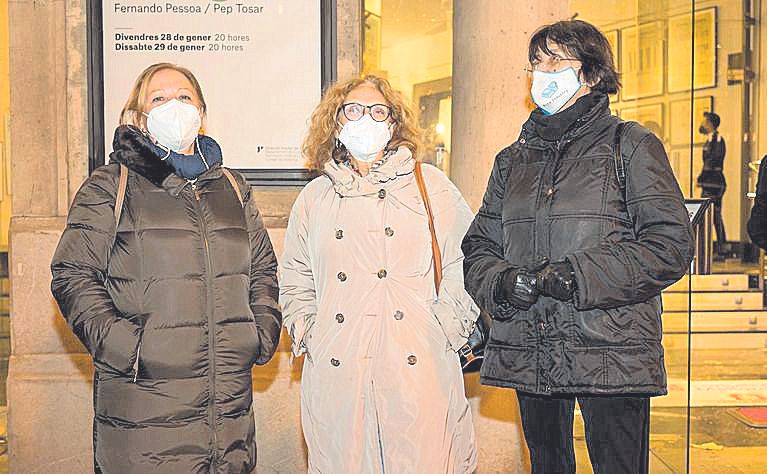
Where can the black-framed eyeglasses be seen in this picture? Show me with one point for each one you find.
(354, 111)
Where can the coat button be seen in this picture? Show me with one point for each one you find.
(411, 360)
(339, 234)
(389, 232)
(335, 362)
(340, 318)
(382, 273)
(522, 141)
(398, 315)
(342, 276)
(381, 194)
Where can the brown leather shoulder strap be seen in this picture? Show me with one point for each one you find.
(234, 184)
(434, 243)
(122, 186)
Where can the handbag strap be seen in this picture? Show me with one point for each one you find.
(234, 184)
(122, 186)
(620, 165)
(436, 254)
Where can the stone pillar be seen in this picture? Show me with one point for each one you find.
(490, 97)
(490, 87)
(49, 390)
(50, 374)
(349, 38)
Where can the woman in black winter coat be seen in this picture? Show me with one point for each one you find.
(757, 223)
(571, 263)
(173, 291)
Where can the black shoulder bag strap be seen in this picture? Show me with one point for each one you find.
(620, 165)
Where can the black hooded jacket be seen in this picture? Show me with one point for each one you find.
(757, 222)
(554, 194)
(175, 304)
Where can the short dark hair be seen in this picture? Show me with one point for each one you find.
(713, 119)
(584, 42)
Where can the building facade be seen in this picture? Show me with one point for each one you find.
(462, 63)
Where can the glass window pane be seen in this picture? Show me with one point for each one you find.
(411, 44)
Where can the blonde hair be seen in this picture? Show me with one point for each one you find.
(320, 145)
(133, 111)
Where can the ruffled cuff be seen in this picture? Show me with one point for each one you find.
(457, 320)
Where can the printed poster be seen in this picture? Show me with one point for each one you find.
(258, 63)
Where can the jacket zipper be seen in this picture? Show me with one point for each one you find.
(211, 333)
(138, 356)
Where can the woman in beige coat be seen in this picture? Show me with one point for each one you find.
(382, 387)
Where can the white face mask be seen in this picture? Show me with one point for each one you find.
(174, 124)
(552, 90)
(365, 138)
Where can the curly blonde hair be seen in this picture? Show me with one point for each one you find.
(320, 144)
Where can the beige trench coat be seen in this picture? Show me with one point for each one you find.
(382, 388)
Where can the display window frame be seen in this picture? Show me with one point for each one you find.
(254, 176)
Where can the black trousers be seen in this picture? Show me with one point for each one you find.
(716, 194)
(617, 432)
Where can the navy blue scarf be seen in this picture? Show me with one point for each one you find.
(207, 154)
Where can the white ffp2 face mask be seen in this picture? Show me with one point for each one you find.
(174, 124)
(365, 138)
(552, 90)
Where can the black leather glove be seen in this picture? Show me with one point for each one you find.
(518, 287)
(557, 280)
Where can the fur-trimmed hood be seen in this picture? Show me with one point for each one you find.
(135, 150)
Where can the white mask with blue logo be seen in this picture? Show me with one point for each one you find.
(552, 90)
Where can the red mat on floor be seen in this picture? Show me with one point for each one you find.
(752, 416)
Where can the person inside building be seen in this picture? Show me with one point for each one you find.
(757, 222)
(166, 274)
(572, 245)
(711, 178)
(382, 388)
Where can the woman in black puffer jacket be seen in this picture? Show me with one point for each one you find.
(757, 222)
(177, 300)
(571, 264)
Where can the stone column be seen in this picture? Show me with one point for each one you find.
(49, 388)
(490, 97)
(349, 38)
(490, 87)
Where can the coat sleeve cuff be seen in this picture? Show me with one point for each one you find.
(297, 331)
(268, 340)
(456, 323)
(498, 307)
(580, 296)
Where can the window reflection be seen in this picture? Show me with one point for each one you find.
(410, 44)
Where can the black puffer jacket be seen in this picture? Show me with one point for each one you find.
(561, 200)
(186, 293)
(757, 222)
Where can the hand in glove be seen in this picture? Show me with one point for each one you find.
(518, 287)
(556, 280)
